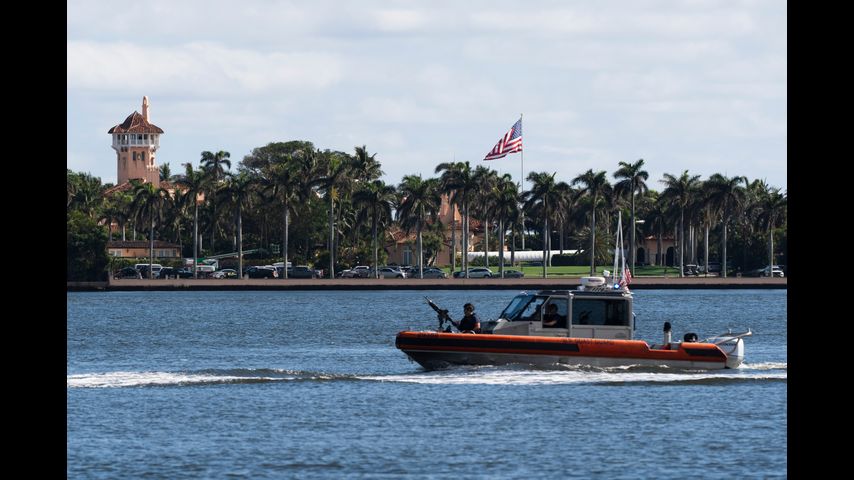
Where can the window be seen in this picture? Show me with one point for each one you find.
(142, 156)
(599, 312)
(134, 156)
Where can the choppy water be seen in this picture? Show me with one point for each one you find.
(309, 385)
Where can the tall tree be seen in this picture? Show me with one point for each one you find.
(634, 183)
(194, 184)
(506, 208)
(595, 186)
(728, 196)
(545, 194)
(375, 200)
(680, 191)
(238, 192)
(458, 181)
(212, 164)
(420, 200)
(149, 203)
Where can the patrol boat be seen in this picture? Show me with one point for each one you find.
(595, 327)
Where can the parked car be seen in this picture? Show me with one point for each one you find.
(510, 273)
(429, 272)
(261, 272)
(128, 272)
(390, 272)
(775, 271)
(225, 273)
(691, 269)
(167, 272)
(303, 271)
(477, 272)
(360, 271)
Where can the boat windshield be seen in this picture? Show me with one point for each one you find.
(523, 307)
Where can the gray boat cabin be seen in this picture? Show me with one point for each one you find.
(601, 312)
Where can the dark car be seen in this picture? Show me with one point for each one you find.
(128, 272)
(510, 273)
(302, 271)
(261, 272)
(167, 272)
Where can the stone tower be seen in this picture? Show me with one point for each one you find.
(136, 141)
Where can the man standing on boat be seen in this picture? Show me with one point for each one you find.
(470, 322)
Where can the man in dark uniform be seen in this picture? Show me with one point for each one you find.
(469, 323)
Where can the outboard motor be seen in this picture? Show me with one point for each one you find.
(666, 333)
(689, 337)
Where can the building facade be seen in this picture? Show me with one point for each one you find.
(136, 141)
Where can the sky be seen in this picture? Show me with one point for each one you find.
(685, 85)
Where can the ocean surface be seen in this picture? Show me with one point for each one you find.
(310, 385)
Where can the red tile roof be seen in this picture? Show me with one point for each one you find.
(140, 244)
(136, 123)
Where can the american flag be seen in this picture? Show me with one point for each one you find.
(627, 277)
(511, 142)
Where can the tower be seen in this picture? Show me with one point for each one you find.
(136, 141)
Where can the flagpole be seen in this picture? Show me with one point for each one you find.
(522, 183)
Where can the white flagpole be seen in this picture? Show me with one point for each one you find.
(522, 182)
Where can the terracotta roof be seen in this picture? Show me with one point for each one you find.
(135, 123)
(141, 244)
(126, 186)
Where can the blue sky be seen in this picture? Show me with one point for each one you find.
(697, 85)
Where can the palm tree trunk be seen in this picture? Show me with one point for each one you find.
(501, 247)
(486, 242)
(285, 242)
(453, 241)
(659, 258)
(376, 258)
(465, 252)
(545, 245)
(151, 247)
(195, 240)
(239, 243)
(513, 246)
(706, 250)
(420, 254)
(770, 249)
(681, 243)
(123, 233)
(632, 244)
(723, 248)
(593, 239)
(331, 236)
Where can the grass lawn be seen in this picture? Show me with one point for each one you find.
(578, 271)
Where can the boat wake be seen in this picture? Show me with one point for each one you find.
(524, 375)
(202, 377)
(461, 375)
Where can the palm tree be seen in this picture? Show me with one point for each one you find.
(545, 194)
(194, 183)
(634, 182)
(506, 207)
(375, 201)
(149, 202)
(486, 179)
(365, 167)
(772, 207)
(165, 172)
(212, 164)
(335, 178)
(457, 180)
(419, 198)
(238, 192)
(595, 185)
(728, 196)
(281, 178)
(680, 191)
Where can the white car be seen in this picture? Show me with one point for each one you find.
(776, 271)
(477, 272)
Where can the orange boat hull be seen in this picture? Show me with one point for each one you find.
(434, 350)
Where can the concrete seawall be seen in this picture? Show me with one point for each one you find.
(530, 283)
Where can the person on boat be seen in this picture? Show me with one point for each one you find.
(552, 318)
(469, 322)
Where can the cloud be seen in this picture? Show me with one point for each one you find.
(197, 69)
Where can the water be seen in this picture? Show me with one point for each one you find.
(309, 385)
